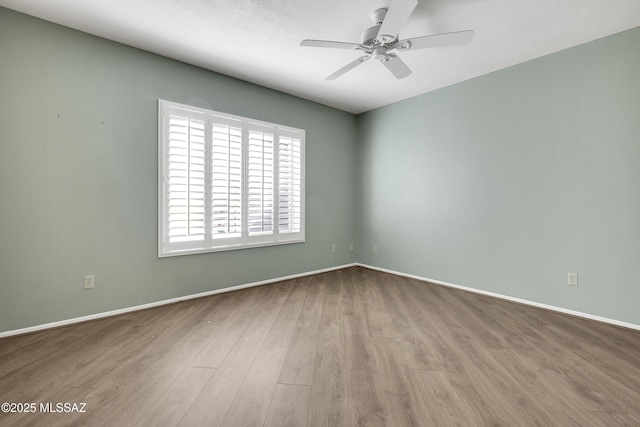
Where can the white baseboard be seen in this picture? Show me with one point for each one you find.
(67, 322)
(508, 298)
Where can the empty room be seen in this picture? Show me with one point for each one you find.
(299, 213)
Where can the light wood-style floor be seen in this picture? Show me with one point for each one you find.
(350, 347)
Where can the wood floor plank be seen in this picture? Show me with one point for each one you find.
(436, 323)
(139, 384)
(299, 361)
(595, 349)
(433, 391)
(260, 382)
(235, 324)
(186, 338)
(556, 396)
(367, 405)
(329, 391)
(430, 320)
(505, 386)
(169, 409)
(592, 389)
(395, 384)
(18, 357)
(416, 354)
(117, 332)
(289, 406)
(374, 308)
(613, 419)
(87, 368)
(27, 382)
(211, 406)
(13, 348)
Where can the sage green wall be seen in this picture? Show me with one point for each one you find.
(78, 176)
(506, 182)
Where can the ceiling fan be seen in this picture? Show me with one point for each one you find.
(381, 40)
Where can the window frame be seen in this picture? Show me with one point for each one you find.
(246, 240)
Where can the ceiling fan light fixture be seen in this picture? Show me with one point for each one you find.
(380, 53)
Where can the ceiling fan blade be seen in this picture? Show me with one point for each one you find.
(350, 66)
(397, 67)
(438, 40)
(397, 15)
(330, 44)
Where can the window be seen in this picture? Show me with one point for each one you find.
(227, 182)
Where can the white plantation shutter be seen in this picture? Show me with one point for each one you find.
(226, 182)
(289, 183)
(185, 181)
(260, 181)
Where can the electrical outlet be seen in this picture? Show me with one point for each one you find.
(572, 279)
(351, 247)
(89, 282)
(333, 248)
(374, 248)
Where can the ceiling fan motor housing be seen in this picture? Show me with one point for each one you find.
(378, 15)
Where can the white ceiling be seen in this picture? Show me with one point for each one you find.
(258, 40)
